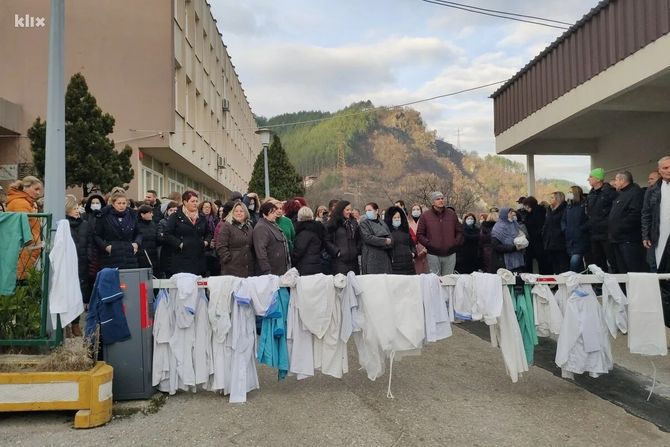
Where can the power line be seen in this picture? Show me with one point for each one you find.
(499, 14)
(505, 12)
(332, 117)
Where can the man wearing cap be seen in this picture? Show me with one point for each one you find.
(598, 206)
(441, 233)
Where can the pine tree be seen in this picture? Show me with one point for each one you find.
(285, 182)
(90, 157)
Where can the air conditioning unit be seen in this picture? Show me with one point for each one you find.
(220, 162)
(225, 106)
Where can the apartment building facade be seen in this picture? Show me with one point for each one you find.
(159, 67)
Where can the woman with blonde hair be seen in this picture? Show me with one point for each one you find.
(22, 198)
(117, 235)
(234, 243)
(553, 236)
(575, 226)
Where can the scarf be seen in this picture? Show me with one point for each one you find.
(123, 221)
(505, 231)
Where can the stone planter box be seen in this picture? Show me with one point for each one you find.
(90, 392)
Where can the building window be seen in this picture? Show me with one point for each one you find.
(152, 180)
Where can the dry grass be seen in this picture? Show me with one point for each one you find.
(73, 355)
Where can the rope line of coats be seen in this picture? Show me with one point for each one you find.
(301, 324)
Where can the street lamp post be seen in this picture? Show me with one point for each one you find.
(266, 135)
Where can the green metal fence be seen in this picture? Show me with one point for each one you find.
(24, 315)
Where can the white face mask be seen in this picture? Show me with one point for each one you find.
(396, 223)
(251, 206)
(469, 221)
(96, 206)
(512, 219)
(569, 196)
(416, 214)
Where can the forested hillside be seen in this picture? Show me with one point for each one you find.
(390, 155)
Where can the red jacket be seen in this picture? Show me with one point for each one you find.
(440, 232)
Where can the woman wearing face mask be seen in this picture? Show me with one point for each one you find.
(507, 254)
(403, 249)
(117, 235)
(553, 237)
(467, 255)
(575, 227)
(343, 239)
(188, 234)
(377, 242)
(420, 260)
(253, 205)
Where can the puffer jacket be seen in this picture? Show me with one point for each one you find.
(575, 226)
(20, 202)
(402, 253)
(309, 241)
(343, 244)
(552, 235)
(83, 240)
(189, 257)
(149, 247)
(598, 207)
(107, 232)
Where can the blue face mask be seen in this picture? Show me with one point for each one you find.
(371, 215)
(395, 223)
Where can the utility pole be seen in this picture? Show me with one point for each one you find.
(54, 163)
(458, 138)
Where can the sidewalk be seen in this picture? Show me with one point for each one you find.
(455, 393)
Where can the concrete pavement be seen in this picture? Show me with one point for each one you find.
(455, 393)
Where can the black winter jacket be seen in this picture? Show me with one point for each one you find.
(189, 257)
(576, 229)
(534, 224)
(552, 235)
(467, 255)
(402, 253)
(149, 245)
(344, 246)
(83, 240)
(165, 250)
(626, 215)
(651, 213)
(598, 206)
(107, 232)
(309, 242)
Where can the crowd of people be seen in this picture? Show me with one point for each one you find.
(617, 226)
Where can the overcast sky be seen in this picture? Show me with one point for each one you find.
(294, 55)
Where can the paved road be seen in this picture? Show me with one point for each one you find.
(456, 393)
